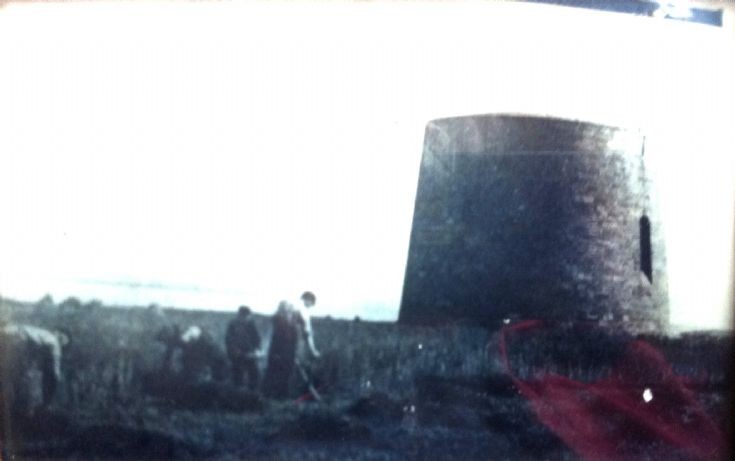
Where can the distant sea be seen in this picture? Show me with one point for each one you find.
(184, 296)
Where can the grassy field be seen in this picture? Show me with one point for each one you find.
(113, 346)
(390, 391)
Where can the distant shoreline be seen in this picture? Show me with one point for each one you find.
(77, 303)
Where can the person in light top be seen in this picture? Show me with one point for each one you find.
(307, 301)
(24, 347)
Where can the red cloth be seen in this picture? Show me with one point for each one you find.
(610, 419)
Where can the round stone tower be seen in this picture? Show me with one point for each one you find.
(531, 217)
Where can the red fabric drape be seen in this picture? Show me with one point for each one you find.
(610, 419)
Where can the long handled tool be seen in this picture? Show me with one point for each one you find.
(307, 381)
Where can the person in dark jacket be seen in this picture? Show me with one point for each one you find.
(170, 337)
(243, 348)
(282, 352)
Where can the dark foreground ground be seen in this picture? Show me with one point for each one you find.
(389, 392)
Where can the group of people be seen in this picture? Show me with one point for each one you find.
(291, 346)
(192, 354)
(291, 349)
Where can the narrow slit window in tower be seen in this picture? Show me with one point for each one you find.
(645, 244)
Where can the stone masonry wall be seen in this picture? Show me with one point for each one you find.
(520, 217)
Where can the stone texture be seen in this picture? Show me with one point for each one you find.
(520, 217)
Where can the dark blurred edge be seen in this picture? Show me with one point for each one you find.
(731, 364)
(712, 17)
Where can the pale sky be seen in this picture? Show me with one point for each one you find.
(245, 152)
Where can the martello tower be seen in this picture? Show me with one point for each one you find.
(530, 217)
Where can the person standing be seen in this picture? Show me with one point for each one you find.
(282, 352)
(292, 339)
(308, 300)
(242, 341)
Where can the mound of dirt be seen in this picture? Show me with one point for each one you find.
(488, 403)
(323, 426)
(208, 395)
(377, 408)
(111, 441)
(55, 435)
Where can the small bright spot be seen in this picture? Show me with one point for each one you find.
(506, 321)
(421, 346)
(647, 395)
(413, 409)
(367, 384)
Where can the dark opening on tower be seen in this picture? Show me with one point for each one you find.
(645, 245)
